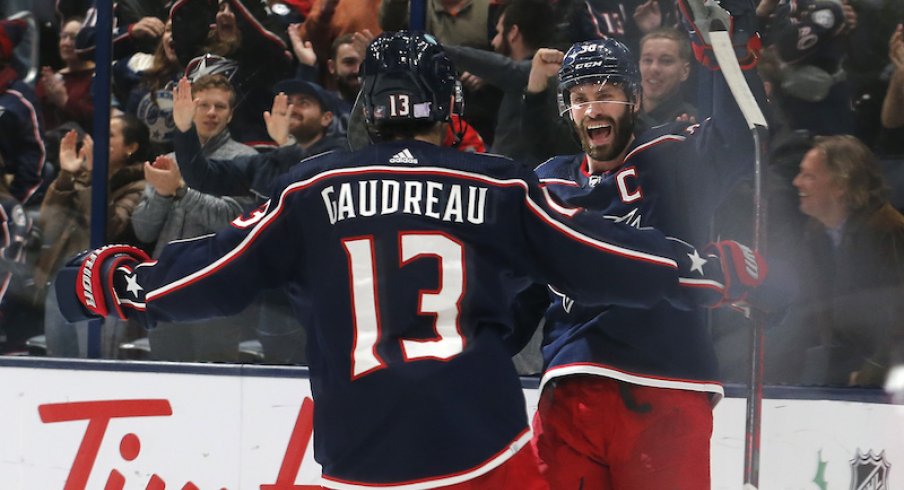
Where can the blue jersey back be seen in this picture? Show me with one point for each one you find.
(403, 260)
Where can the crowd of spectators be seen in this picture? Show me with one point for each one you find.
(212, 101)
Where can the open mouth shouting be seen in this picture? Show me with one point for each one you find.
(600, 132)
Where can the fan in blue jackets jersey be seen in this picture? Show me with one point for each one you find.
(403, 260)
(635, 370)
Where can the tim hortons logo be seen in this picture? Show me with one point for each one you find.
(869, 471)
(99, 415)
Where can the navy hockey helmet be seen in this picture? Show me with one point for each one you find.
(407, 77)
(210, 64)
(598, 61)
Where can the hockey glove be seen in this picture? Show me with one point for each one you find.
(701, 17)
(102, 281)
(724, 274)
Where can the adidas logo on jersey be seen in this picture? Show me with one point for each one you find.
(403, 156)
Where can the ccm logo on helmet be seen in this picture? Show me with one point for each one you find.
(589, 64)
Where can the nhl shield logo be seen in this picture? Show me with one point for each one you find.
(869, 471)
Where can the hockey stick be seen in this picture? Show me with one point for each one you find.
(756, 121)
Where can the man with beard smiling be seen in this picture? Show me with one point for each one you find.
(298, 122)
(523, 27)
(627, 393)
(346, 55)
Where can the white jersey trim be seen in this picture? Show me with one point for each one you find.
(442, 481)
(301, 185)
(712, 387)
(653, 142)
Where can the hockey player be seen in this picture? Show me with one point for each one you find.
(402, 259)
(627, 392)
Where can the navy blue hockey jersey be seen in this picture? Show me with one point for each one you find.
(402, 261)
(21, 139)
(672, 178)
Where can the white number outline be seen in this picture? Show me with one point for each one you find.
(443, 303)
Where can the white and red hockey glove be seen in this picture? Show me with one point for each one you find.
(103, 283)
(725, 273)
(701, 17)
(743, 269)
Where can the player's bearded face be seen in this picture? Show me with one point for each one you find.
(603, 119)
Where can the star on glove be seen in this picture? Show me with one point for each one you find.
(132, 285)
(697, 262)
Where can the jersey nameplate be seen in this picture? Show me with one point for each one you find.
(446, 202)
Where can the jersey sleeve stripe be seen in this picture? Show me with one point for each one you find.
(303, 185)
(652, 143)
(565, 182)
(558, 207)
(701, 283)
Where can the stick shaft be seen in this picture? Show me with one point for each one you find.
(756, 121)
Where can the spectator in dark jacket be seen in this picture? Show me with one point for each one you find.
(665, 64)
(522, 28)
(21, 146)
(853, 266)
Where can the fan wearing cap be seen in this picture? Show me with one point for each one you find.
(300, 128)
(21, 146)
(302, 113)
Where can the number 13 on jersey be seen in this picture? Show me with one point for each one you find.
(443, 302)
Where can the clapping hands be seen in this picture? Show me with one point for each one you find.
(164, 175)
(54, 87)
